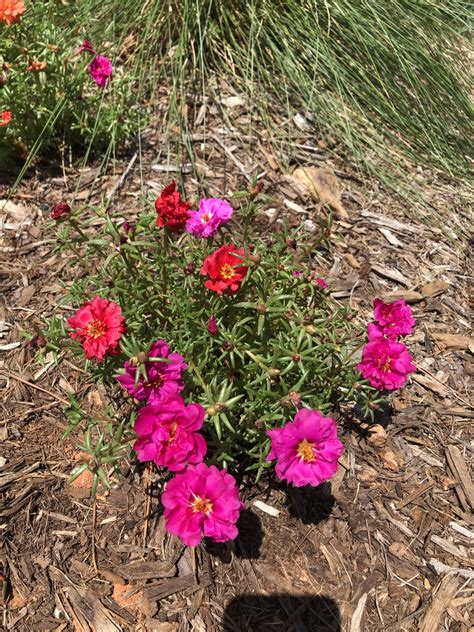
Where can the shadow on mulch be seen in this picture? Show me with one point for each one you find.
(246, 546)
(311, 505)
(254, 613)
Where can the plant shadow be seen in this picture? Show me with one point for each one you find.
(282, 612)
(311, 505)
(246, 546)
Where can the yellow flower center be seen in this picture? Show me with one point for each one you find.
(203, 505)
(95, 329)
(227, 271)
(386, 365)
(173, 429)
(305, 451)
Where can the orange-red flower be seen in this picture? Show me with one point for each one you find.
(225, 269)
(5, 118)
(11, 10)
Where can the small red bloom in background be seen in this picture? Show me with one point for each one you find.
(173, 212)
(86, 46)
(98, 325)
(11, 10)
(60, 211)
(225, 269)
(5, 118)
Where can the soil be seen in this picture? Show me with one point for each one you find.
(386, 545)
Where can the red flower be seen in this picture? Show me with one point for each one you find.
(60, 211)
(98, 325)
(5, 118)
(225, 269)
(173, 212)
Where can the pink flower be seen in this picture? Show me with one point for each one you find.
(202, 500)
(98, 325)
(297, 273)
(86, 46)
(321, 282)
(213, 212)
(167, 434)
(306, 449)
(165, 379)
(386, 363)
(394, 319)
(212, 327)
(100, 69)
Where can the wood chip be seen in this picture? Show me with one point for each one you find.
(434, 288)
(358, 614)
(271, 511)
(390, 237)
(460, 471)
(442, 596)
(439, 567)
(453, 341)
(390, 273)
(410, 296)
(146, 570)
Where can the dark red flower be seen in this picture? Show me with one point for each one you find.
(173, 212)
(60, 211)
(225, 269)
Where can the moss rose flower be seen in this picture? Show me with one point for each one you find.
(5, 118)
(386, 363)
(98, 325)
(11, 10)
(306, 449)
(100, 69)
(225, 269)
(167, 434)
(212, 213)
(173, 212)
(394, 319)
(165, 378)
(202, 500)
(60, 211)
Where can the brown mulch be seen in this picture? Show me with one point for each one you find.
(386, 545)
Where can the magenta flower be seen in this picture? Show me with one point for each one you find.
(297, 273)
(100, 69)
(321, 282)
(212, 327)
(395, 319)
(306, 449)
(386, 364)
(165, 379)
(167, 434)
(86, 46)
(213, 212)
(202, 500)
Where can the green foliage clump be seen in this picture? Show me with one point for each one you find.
(281, 342)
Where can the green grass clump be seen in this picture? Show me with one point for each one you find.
(390, 80)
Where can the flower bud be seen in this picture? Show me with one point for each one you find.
(212, 410)
(295, 398)
(254, 191)
(142, 357)
(212, 327)
(60, 211)
(296, 357)
(228, 345)
(310, 329)
(255, 258)
(220, 407)
(189, 268)
(261, 308)
(291, 243)
(274, 372)
(308, 319)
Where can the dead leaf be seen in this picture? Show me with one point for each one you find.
(26, 295)
(322, 185)
(392, 461)
(129, 602)
(377, 436)
(17, 211)
(233, 102)
(434, 288)
(367, 475)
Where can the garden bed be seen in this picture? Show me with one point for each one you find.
(371, 550)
